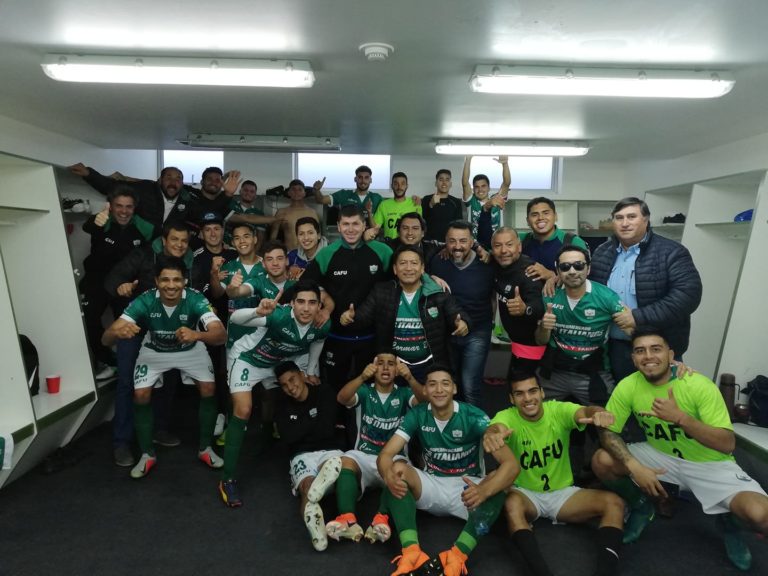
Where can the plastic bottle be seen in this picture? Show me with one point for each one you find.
(480, 519)
(728, 390)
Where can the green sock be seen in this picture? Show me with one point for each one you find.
(143, 421)
(627, 489)
(403, 511)
(346, 491)
(383, 503)
(235, 436)
(490, 510)
(207, 418)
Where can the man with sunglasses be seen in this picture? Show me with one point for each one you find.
(575, 327)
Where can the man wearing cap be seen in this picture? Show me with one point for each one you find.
(206, 263)
(368, 201)
(285, 218)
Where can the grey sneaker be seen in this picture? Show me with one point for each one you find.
(165, 438)
(123, 456)
(326, 478)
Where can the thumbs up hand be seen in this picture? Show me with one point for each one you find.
(103, 216)
(348, 316)
(549, 320)
(473, 495)
(516, 306)
(461, 327)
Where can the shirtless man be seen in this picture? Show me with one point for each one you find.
(285, 218)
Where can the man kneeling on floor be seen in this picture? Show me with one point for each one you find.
(305, 418)
(690, 443)
(538, 433)
(451, 483)
(170, 314)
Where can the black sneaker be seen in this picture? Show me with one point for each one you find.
(123, 456)
(165, 438)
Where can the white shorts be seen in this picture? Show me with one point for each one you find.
(194, 364)
(441, 495)
(242, 377)
(369, 474)
(548, 504)
(713, 483)
(308, 464)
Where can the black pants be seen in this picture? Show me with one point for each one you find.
(95, 301)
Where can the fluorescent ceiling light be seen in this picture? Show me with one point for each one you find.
(256, 142)
(512, 148)
(565, 81)
(192, 71)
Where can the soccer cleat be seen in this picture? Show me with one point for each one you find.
(411, 559)
(639, 517)
(315, 523)
(379, 530)
(228, 492)
(327, 476)
(454, 562)
(142, 468)
(210, 458)
(735, 547)
(165, 438)
(344, 526)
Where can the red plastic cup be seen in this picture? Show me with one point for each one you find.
(53, 383)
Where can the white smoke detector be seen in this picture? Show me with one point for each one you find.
(376, 51)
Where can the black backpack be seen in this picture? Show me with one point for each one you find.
(758, 400)
(31, 364)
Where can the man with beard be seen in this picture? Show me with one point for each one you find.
(368, 201)
(411, 228)
(215, 194)
(286, 218)
(689, 442)
(158, 201)
(391, 210)
(471, 283)
(518, 297)
(243, 210)
(575, 328)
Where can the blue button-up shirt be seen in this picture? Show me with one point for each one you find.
(622, 281)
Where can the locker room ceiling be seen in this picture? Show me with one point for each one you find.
(403, 105)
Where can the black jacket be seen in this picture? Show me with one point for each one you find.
(380, 307)
(667, 285)
(520, 329)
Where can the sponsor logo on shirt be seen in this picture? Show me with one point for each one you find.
(109, 240)
(136, 242)
(181, 207)
(395, 402)
(154, 314)
(428, 429)
(313, 413)
(339, 272)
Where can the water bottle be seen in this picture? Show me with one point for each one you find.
(728, 390)
(480, 519)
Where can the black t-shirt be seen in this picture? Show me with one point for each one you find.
(309, 425)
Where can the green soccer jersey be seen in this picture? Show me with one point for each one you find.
(161, 322)
(410, 340)
(236, 208)
(236, 331)
(696, 395)
(475, 208)
(281, 339)
(583, 330)
(455, 449)
(344, 197)
(541, 447)
(378, 418)
(390, 211)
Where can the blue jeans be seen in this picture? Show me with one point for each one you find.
(469, 355)
(122, 422)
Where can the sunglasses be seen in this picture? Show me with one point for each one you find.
(565, 266)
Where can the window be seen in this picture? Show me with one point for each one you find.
(193, 162)
(528, 172)
(339, 169)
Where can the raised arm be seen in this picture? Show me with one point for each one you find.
(346, 396)
(506, 178)
(465, 185)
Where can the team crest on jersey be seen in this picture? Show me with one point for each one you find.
(432, 311)
(508, 288)
(457, 433)
(313, 413)
(181, 207)
(310, 337)
(136, 242)
(373, 268)
(589, 312)
(183, 317)
(395, 402)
